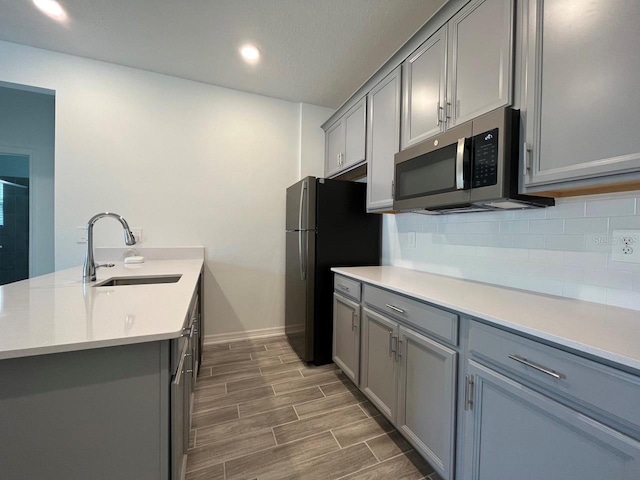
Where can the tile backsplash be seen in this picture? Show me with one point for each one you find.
(563, 250)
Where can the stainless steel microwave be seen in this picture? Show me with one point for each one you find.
(471, 167)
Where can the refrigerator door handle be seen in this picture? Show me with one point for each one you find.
(300, 209)
(302, 257)
(303, 254)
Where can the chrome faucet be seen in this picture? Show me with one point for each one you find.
(90, 267)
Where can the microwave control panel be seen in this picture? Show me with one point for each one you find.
(485, 159)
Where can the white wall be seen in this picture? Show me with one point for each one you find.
(27, 127)
(563, 250)
(189, 163)
(312, 139)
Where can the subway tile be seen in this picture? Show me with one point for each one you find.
(530, 214)
(616, 207)
(589, 293)
(586, 225)
(624, 223)
(528, 241)
(546, 226)
(585, 259)
(566, 210)
(623, 298)
(516, 227)
(565, 242)
(486, 227)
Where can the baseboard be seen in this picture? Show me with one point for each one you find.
(232, 337)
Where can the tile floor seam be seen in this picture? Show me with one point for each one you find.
(334, 437)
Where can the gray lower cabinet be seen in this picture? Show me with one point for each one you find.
(346, 336)
(514, 432)
(427, 397)
(379, 366)
(580, 93)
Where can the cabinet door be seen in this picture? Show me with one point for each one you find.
(479, 59)
(378, 379)
(334, 148)
(346, 336)
(423, 93)
(513, 432)
(355, 121)
(383, 141)
(582, 109)
(426, 399)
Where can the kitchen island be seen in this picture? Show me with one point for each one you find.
(96, 381)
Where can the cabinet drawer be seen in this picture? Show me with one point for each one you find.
(347, 287)
(589, 384)
(432, 320)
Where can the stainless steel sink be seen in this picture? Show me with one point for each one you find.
(148, 280)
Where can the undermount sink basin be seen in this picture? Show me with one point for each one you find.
(149, 280)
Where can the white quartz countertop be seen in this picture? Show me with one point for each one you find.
(610, 333)
(58, 313)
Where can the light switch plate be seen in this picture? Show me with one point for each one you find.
(625, 246)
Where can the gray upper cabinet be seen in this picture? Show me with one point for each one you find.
(378, 375)
(334, 148)
(479, 56)
(511, 431)
(426, 399)
(346, 336)
(464, 70)
(582, 70)
(345, 140)
(383, 141)
(423, 93)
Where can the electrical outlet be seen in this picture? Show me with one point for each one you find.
(625, 246)
(81, 234)
(411, 239)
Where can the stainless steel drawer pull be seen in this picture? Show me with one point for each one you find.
(394, 308)
(346, 289)
(535, 366)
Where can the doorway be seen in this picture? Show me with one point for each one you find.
(14, 218)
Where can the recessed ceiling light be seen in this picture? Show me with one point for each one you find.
(250, 53)
(51, 8)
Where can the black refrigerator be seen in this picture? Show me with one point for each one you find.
(327, 226)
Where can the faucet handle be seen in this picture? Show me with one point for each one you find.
(107, 265)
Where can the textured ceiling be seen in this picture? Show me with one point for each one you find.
(314, 51)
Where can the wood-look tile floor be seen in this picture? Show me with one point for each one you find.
(260, 413)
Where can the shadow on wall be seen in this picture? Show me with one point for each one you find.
(258, 297)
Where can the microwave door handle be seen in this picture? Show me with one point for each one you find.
(460, 164)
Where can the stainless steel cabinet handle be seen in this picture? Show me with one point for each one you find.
(438, 111)
(535, 366)
(390, 339)
(394, 343)
(399, 348)
(468, 392)
(394, 308)
(460, 164)
(354, 324)
(448, 110)
(526, 156)
(346, 289)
